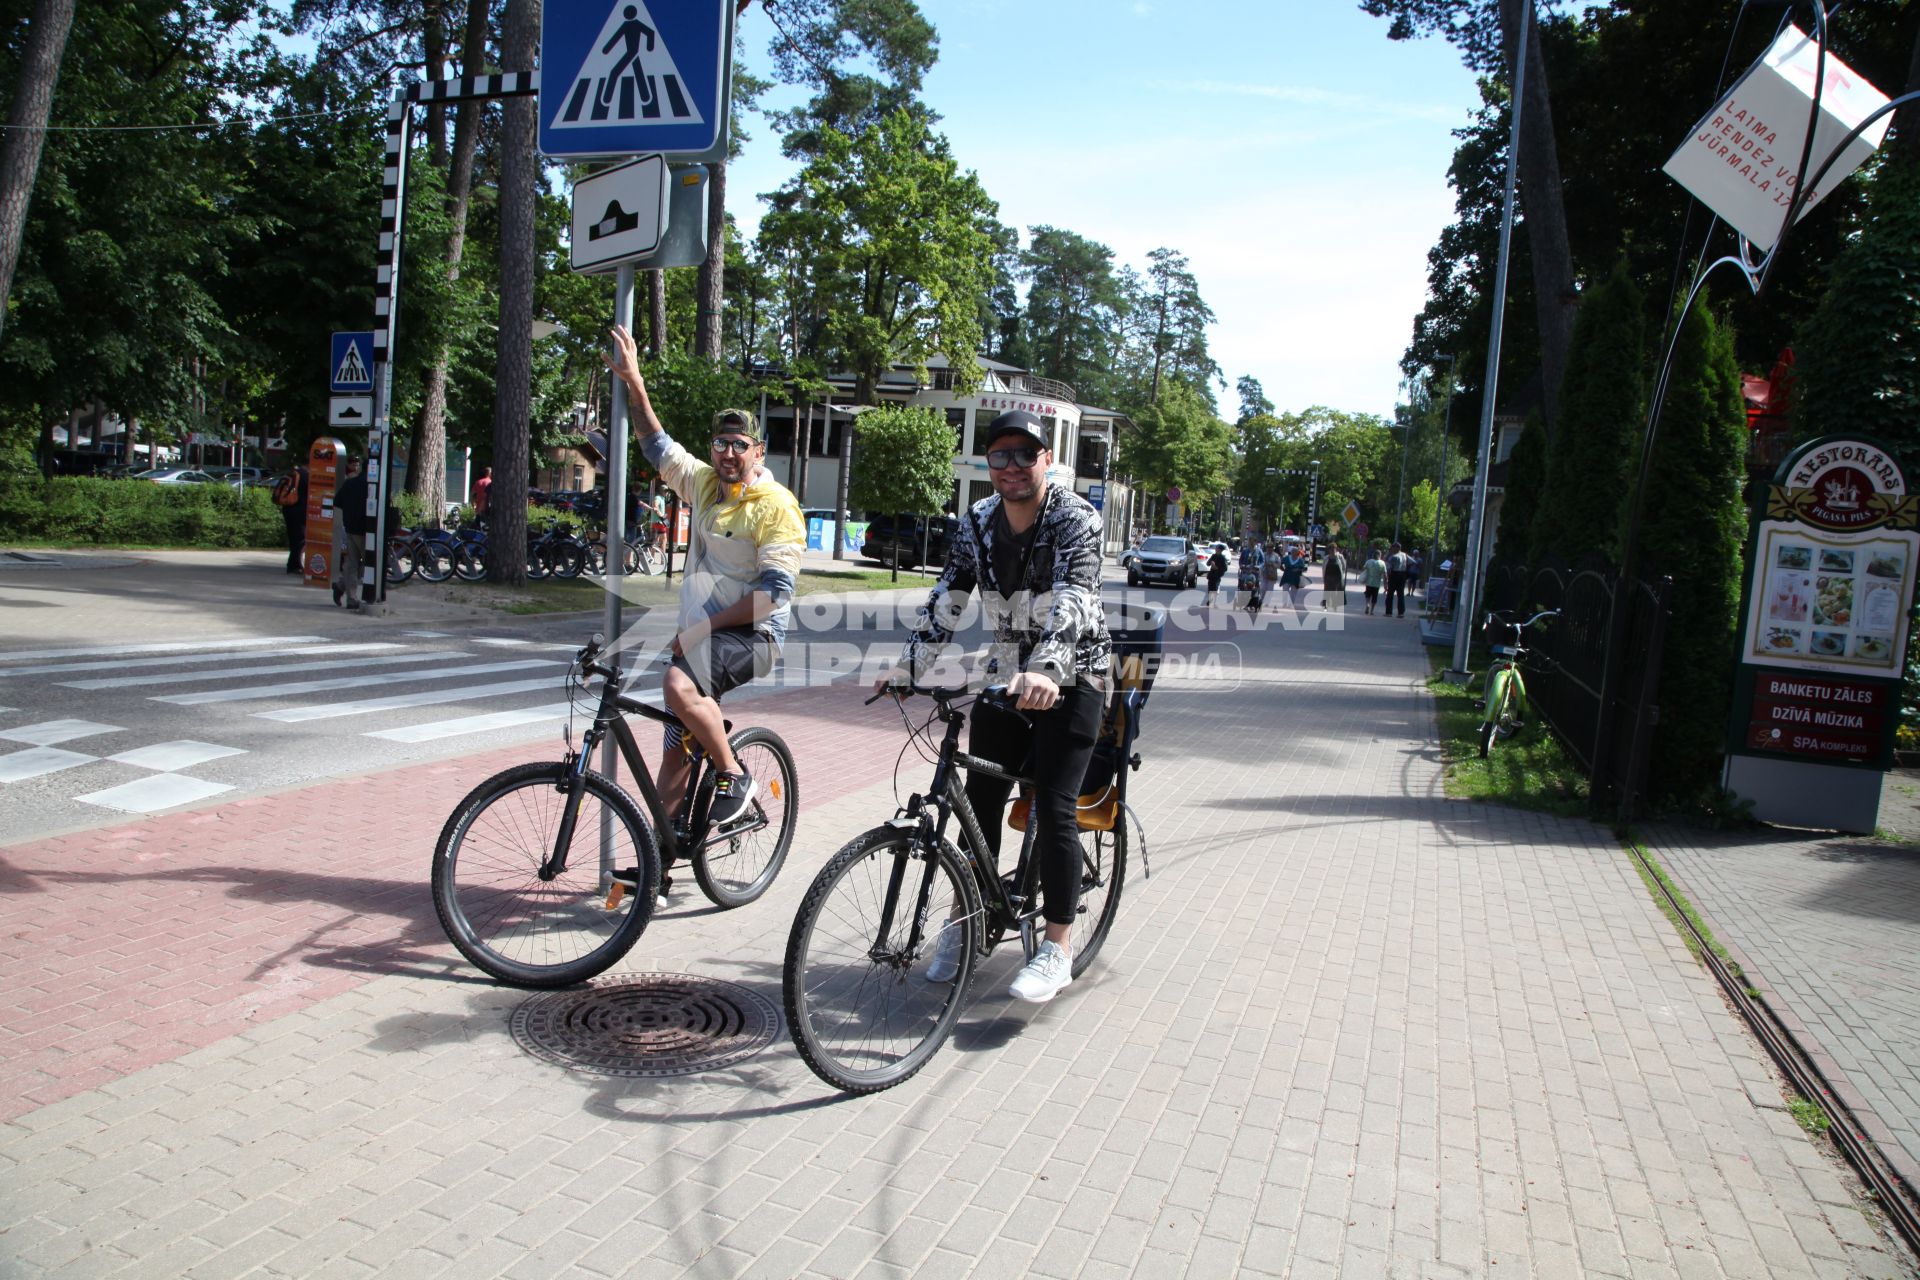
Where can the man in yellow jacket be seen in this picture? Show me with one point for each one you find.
(743, 558)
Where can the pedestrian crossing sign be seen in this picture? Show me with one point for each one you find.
(627, 77)
(350, 371)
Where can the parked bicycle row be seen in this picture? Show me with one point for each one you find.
(553, 550)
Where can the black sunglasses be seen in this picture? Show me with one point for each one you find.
(1024, 456)
(732, 444)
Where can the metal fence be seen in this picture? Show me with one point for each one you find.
(1567, 665)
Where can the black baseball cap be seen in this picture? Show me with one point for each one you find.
(1018, 422)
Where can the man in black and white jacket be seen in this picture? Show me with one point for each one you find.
(1032, 550)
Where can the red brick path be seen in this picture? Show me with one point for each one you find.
(127, 946)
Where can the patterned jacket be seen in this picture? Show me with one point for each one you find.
(1053, 624)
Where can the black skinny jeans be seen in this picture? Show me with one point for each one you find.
(1061, 743)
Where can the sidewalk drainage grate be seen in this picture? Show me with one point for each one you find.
(657, 1024)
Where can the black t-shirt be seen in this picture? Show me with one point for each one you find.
(1011, 552)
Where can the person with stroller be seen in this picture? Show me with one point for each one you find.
(1253, 563)
(1216, 570)
(1032, 550)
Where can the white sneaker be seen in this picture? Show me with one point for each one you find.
(946, 953)
(1045, 976)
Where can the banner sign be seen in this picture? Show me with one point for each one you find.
(1831, 564)
(1743, 159)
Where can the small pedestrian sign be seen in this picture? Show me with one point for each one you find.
(624, 77)
(351, 369)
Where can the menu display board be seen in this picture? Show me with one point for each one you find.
(1832, 601)
(1832, 562)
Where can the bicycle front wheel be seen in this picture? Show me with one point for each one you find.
(435, 562)
(470, 561)
(399, 560)
(508, 921)
(864, 1012)
(734, 870)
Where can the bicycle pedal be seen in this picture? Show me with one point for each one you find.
(744, 828)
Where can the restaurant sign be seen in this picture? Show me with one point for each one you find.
(1830, 583)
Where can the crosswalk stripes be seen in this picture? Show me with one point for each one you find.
(146, 727)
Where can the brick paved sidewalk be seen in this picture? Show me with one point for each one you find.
(1349, 1027)
(1831, 928)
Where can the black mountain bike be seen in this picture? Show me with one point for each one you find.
(864, 1013)
(527, 889)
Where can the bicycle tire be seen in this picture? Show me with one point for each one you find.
(567, 558)
(470, 561)
(839, 999)
(435, 562)
(493, 905)
(538, 564)
(1103, 873)
(736, 870)
(1496, 712)
(399, 561)
(596, 560)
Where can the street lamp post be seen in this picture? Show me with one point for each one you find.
(1400, 488)
(1446, 439)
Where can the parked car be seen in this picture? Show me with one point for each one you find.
(882, 538)
(177, 475)
(1167, 559)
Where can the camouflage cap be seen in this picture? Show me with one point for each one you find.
(737, 422)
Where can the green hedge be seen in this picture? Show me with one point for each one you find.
(82, 511)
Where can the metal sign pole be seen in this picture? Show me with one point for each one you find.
(616, 545)
(1490, 386)
(373, 568)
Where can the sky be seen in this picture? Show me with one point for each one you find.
(1293, 153)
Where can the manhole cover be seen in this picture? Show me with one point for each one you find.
(661, 1024)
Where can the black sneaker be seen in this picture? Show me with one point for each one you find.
(732, 794)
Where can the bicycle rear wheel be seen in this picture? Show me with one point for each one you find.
(734, 870)
(865, 1024)
(1103, 871)
(470, 561)
(499, 912)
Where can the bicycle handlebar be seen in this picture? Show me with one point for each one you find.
(1505, 617)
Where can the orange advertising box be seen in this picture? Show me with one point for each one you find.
(324, 463)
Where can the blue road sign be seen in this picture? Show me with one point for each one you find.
(623, 77)
(351, 369)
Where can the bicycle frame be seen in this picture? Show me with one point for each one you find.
(1003, 910)
(611, 714)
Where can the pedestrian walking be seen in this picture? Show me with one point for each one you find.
(1216, 570)
(483, 496)
(349, 535)
(1372, 574)
(1293, 576)
(290, 495)
(1271, 559)
(1398, 571)
(1333, 582)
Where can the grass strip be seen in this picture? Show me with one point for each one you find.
(1530, 770)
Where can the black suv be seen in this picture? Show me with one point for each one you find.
(882, 538)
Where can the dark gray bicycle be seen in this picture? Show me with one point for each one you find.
(864, 1011)
(528, 891)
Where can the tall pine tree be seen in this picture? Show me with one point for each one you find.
(1604, 402)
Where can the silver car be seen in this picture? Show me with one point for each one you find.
(1166, 559)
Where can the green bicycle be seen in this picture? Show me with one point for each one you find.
(1506, 700)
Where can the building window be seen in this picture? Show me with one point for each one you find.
(982, 419)
(957, 419)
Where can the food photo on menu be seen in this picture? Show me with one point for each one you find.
(1790, 595)
(1833, 601)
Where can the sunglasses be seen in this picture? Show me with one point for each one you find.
(732, 444)
(1001, 459)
